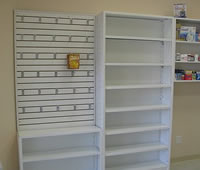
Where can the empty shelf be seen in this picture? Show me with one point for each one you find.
(134, 129)
(137, 38)
(60, 154)
(136, 108)
(132, 149)
(142, 166)
(58, 131)
(136, 64)
(139, 86)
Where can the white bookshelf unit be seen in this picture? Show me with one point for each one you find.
(55, 105)
(187, 47)
(134, 89)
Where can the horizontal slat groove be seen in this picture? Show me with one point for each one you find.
(58, 114)
(57, 125)
(20, 22)
(51, 62)
(54, 102)
(53, 85)
(52, 117)
(56, 97)
(62, 119)
(22, 31)
(52, 15)
(87, 120)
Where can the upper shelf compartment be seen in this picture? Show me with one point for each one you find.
(128, 51)
(132, 25)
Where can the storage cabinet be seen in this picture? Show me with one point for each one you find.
(134, 84)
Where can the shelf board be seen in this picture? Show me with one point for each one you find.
(115, 130)
(58, 132)
(137, 38)
(136, 16)
(187, 42)
(139, 86)
(132, 149)
(142, 166)
(136, 108)
(187, 81)
(187, 62)
(136, 64)
(191, 20)
(60, 154)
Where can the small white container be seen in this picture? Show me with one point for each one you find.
(184, 57)
(196, 56)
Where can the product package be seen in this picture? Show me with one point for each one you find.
(178, 29)
(198, 76)
(180, 10)
(73, 61)
(188, 75)
(188, 33)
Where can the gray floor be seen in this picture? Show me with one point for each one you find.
(186, 165)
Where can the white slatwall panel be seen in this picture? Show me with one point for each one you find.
(48, 94)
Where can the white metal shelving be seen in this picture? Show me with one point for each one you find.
(187, 47)
(134, 67)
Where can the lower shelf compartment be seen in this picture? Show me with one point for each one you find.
(155, 165)
(132, 149)
(60, 154)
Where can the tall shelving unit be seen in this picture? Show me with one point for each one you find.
(187, 47)
(55, 105)
(134, 90)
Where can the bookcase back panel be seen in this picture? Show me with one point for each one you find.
(122, 26)
(128, 98)
(132, 118)
(46, 144)
(131, 159)
(134, 51)
(132, 139)
(137, 75)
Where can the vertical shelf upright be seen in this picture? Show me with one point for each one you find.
(134, 89)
